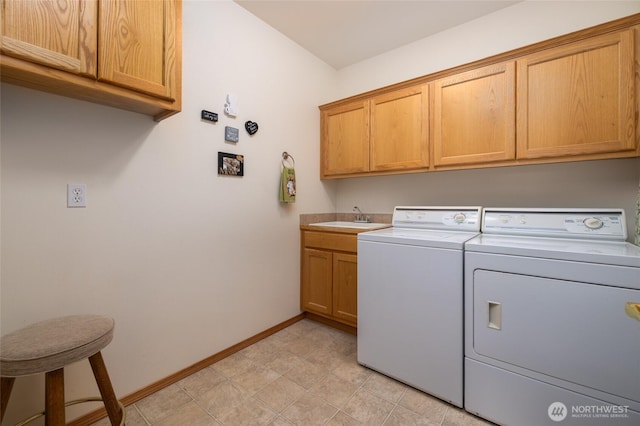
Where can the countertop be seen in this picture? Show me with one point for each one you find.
(307, 221)
(342, 229)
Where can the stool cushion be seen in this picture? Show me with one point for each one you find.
(52, 344)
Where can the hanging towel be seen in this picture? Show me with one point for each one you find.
(288, 185)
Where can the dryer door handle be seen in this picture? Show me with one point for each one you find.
(633, 310)
(495, 315)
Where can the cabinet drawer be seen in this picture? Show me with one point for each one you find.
(330, 241)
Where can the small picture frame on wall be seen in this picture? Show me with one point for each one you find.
(230, 164)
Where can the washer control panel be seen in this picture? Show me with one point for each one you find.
(454, 218)
(607, 224)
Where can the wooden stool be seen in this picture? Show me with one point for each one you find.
(47, 347)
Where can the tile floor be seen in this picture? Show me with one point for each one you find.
(306, 374)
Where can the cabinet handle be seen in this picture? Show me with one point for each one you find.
(495, 315)
(633, 310)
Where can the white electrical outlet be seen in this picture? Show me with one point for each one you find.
(76, 195)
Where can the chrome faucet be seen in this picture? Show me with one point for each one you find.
(360, 217)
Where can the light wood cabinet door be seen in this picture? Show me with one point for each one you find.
(317, 281)
(345, 287)
(345, 139)
(474, 116)
(578, 98)
(138, 45)
(58, 34)
(400, 130)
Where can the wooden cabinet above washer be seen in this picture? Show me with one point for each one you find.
(578, 99)
(571, 98)
(474, 116)
(386, 133)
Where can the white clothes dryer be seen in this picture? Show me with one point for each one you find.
(552, 318)
(410, 306)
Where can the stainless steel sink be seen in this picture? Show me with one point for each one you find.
(345, 224)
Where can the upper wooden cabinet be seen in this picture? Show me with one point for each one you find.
(474, 116)
(388, 132)
(578, 98)
(60, 35)
(400, 130)
(571, 98)
(137, 47)
(122, 53)
(345, 139)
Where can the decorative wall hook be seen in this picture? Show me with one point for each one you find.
(289, 158)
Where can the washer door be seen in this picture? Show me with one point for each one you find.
(577, 332)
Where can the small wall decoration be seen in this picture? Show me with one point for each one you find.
(251, 127)
(231, 134)
(231, 105)
(230, 164)
(208, 115)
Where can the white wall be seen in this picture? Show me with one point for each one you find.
(187, 262)
(612, 183)
(586, 184)
(522, 24)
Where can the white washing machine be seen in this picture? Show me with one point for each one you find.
(410, 306)
(552, 319)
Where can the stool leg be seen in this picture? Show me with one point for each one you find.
(5, 392)
(106, 389)
(54, 398)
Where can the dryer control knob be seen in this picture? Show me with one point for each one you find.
(459, 217)
(593, 223)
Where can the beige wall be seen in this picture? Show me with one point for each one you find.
(586, 184)
(187, 262)
(519, 25)
(611, 183)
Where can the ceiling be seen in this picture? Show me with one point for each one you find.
(342, 32)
